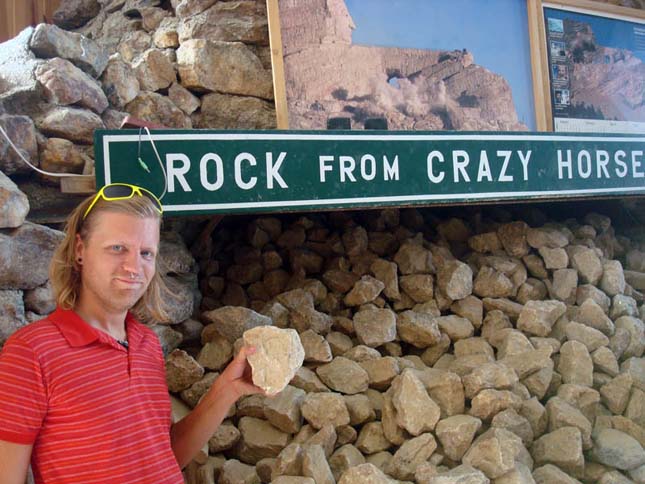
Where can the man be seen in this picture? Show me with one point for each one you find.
(83, 394)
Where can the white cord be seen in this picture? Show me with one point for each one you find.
(165, 177)
(48, 173)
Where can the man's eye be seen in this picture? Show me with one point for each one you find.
(117, 248)
(147, 254)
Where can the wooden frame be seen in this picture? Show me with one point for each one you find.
(538, 37)
(521, 102)
(15, 15)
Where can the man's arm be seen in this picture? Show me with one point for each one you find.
(190, 434)
(14, 462)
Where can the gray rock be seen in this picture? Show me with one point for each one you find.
(591, 314)
(575, 364)
(258, 440)
(588, 336)
(72, 14)
(456, 434)
(586, 262)
(554, 258)
(234, 472)
(74, 124)
(563, 448)
(613, 278)
(221, 111)
(636, 330)
(14, 205)
(31, 246)
(19, 90)
(168, 337)
(182, 371)
(119, 81)
(410, 455)
(51, 41)
(231, 322)
(65, 84)
(617, 449)
(418, 329)
(158, 109)
(494, 452)
(22, 133)
(320, 409)
(12, 313)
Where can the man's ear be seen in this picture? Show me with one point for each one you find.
(79, 248)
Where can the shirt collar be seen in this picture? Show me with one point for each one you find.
(77, 332)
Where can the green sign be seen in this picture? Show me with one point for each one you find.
(262, 171)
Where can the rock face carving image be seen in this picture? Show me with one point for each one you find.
(327, 76)
(606, 83)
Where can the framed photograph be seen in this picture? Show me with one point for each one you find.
(589, 66)
(404, 64)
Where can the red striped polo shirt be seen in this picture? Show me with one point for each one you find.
(94, 411)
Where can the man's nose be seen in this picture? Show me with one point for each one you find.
(132, 262)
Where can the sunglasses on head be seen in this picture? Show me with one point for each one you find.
(123, 191)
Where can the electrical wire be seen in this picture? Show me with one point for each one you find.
(43, 172)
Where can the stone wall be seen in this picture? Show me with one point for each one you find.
(492, 347)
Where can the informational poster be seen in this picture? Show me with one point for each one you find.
(596, 70)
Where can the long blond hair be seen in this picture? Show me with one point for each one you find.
(65, 272)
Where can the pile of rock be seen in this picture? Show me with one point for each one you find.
(436, 351)
(203, 64)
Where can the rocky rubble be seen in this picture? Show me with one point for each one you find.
(436, 350)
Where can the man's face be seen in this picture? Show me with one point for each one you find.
(118, 260)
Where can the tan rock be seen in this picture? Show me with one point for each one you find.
(418, 329)
(315, 466)
(283, 410)
(591, 314)
(386, 272)
(307, 380)
(615, 394)
(586, 262)
(494, 452)
(418, 286)
(233, 471)
(375, 327)
(555, 258)
(613, 278)
(445, 388)
(416, 412)
(575, 364)
(316, 347)
(371, 439)
(492, 283)
(550, 474)
(412, 258)
(364, 291)
(320, 409)
(216, 353)
(562, 414)
(588, 336)
(456, 434)
(538, 317)
(491, 375)
(455, 279)
(344, 375)
(381, 371)
(259, 439)
(154, 70)
(410, 455)
(455, 327)
(363, 474)
(488, 403)
(348, 458)
(182, 371)
(562, 448)
(224, 438)
(278, 356)
(512, 421)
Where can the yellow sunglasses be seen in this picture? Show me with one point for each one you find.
(123, 191)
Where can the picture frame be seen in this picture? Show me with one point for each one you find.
(354, 71)
(588, 66)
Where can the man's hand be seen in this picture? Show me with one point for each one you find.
(237, 375)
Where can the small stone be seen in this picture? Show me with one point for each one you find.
(307, 380)
(320, 409)
(375, 327)
(349, 459)
(182, 371)
(636, 330)
(74, 124)
(554, 258)
(412, 258)
(315, 466)
(455, 279)
(410, 455)
(224, 438)
(381, 371)
(605, 361)
(513, 238)
(565, 285)
(613, 278)
(363, 474)
(418, 286)
(455, 327)
(364, 291)
(575, 364)
(233, 472)
(216, 353)
(591, 314)
(622, 305)
(386, 272)
(259, 439)
(562, 414)
(278, 356)
(360, 409)
(14, 205)
(513, 422)
(371, 439)
(636, 368)
(588, 336)
(489, 403)
(316, 347)
(563, 448)
(418, 329)
(586, 262)
(538, 317)
(615, 394)
(617, 449)
(344, 375)
(416, 412)
(550, 474)
(491, 375)
(494, 452)
(456, 434)
(492, 283)
(231, 322)
(283, 410)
